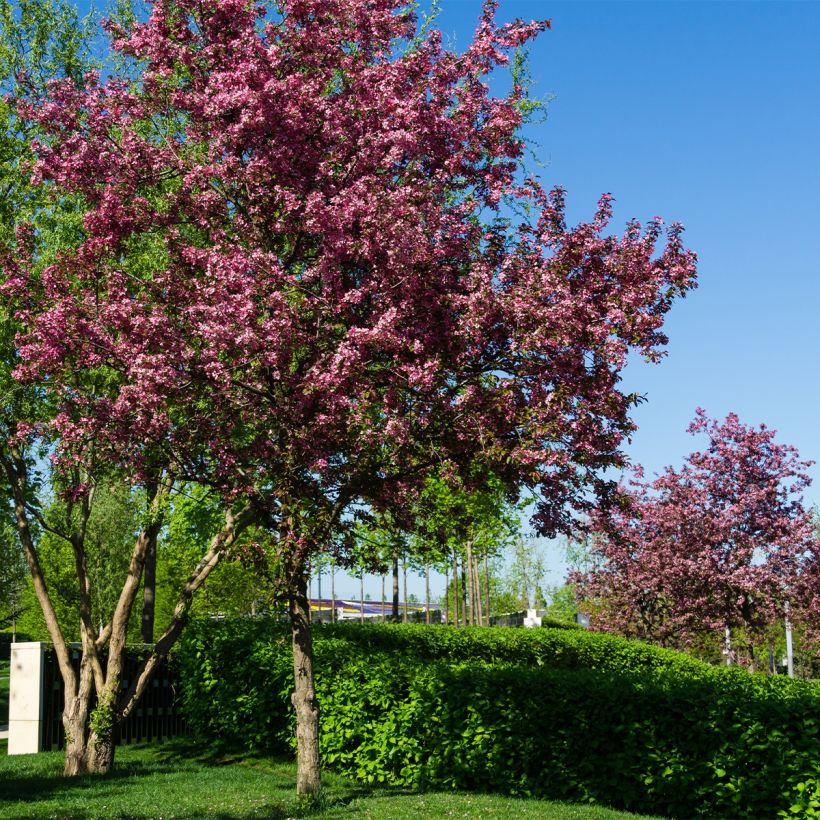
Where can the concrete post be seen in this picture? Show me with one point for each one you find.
(26, 698)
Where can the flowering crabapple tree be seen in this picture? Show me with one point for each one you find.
(338, 301)
(719, 543)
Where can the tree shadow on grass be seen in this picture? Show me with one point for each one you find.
(34, 786)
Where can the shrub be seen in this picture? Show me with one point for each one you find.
(563, 714)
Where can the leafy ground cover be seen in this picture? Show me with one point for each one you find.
(173, 781)
(4, 692)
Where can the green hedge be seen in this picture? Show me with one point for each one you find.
(562, 714)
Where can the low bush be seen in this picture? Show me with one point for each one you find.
(562, 714)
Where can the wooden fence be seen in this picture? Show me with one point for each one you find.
(157, 716)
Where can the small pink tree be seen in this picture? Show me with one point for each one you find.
(330, 300)
(718, 544)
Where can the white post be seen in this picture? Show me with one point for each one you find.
(789, 648)
(26, 698)
(727, 645)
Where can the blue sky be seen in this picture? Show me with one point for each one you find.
(707, 113)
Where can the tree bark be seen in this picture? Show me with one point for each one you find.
(446, 594)
(395, 613)
(308, 776)
(464, 593)
(361, 597)
(149, 589)
(455, 589)
(487, 586)
(405, 615)
(333, 593)
(427, 594)
(478, 620)
(471, 583)
(75, 722)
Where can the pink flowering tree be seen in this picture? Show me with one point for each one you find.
(719, 543)
(331, 300)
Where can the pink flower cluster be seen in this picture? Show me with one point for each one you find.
(722, 541)
(295, 278)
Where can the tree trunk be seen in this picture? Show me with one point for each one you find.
(308, 776)
(361, 597)
(405, 616)
(427, 594)
(464, 593)
(468, 568)
(76, 747)
(149, 589)
(478, 620)
(446, 595)
(384, 599)
(487, 587)
(333, 593)
(75, 724)
(395, 613)
(455, 589)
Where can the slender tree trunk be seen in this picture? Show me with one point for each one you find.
(464, 592)
(149, 589)
(468, 565)
(456, 620)
(427, 594)
(487, 586)
(479, 617)
(405, 616)
(308, 776)
(333, 593)
(446, 594)
(395, 613)
(752, 660)
(384, 599)
(361, 597)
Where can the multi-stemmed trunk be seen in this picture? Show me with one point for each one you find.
(90, 733)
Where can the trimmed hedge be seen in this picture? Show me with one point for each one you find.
(562, 714)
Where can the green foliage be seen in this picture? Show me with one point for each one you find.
(112, 528)
(557, 713)
(449, 515)
(232, 589)
(561, 604)
(13, 573)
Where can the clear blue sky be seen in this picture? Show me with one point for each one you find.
(707, 113)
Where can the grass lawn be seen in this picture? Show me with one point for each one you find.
(169, 781)
(4, 693)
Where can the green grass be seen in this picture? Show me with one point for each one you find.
(169, 781)
(4, 693)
